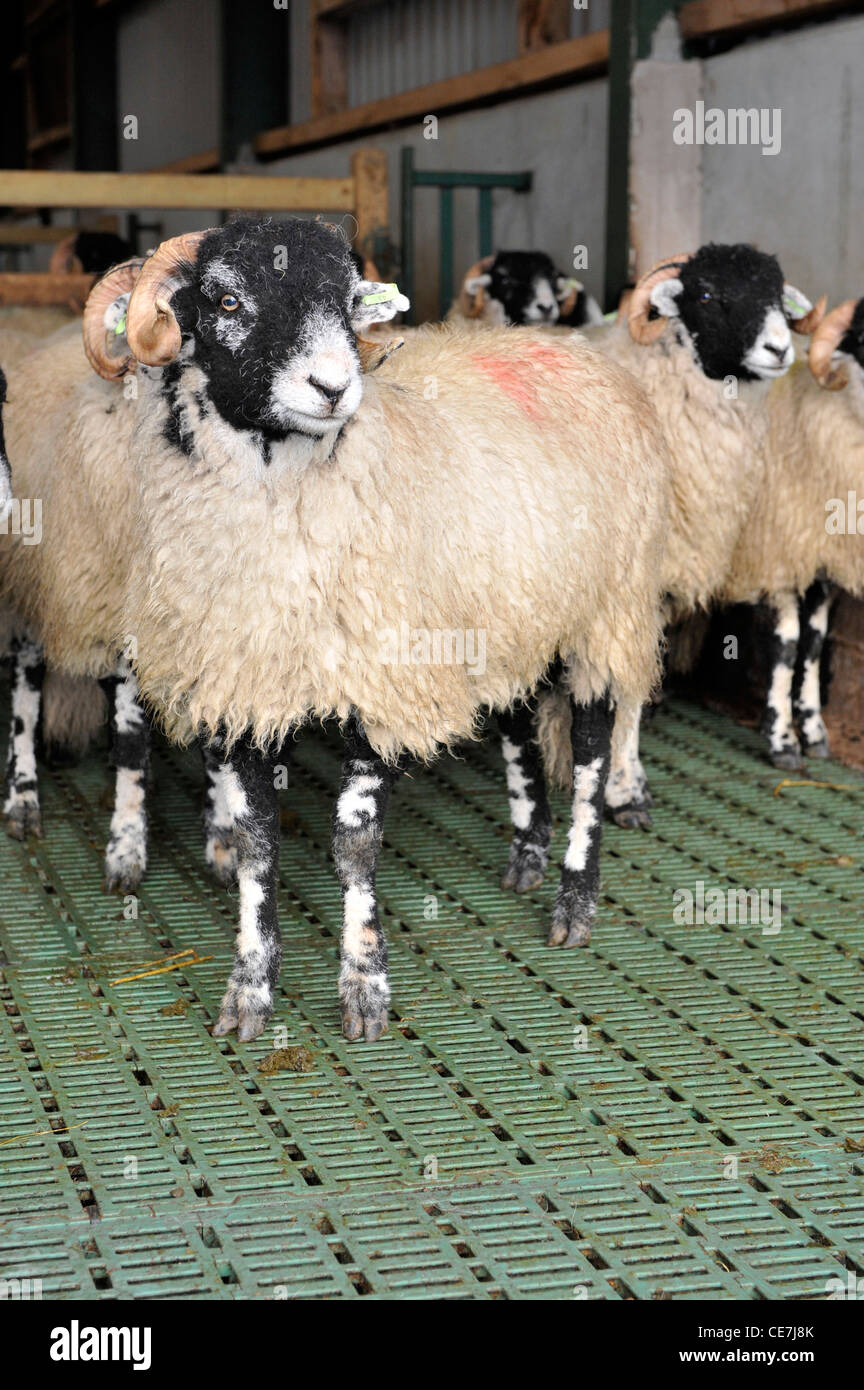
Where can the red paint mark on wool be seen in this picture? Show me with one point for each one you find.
(518, 377)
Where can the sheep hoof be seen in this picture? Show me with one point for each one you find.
(124, 869)
(817, 750)
(225, 1023)
(364, 1010)
(368, 1026)
(249, 1025)
(632, 817)
(221, 857)
(576, 934)
(526, 867)
(788, 759)
(522, 880)
(23, 819)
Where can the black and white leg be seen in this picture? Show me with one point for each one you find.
(21, 806)
(250, 792)
(526, 793)
(576, 903)
(628, 798)
(807, 694)
(126, 851)
(220, 848)
(779, 725)
(358, 830)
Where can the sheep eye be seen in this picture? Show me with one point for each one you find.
(230, 301)
(704, 296)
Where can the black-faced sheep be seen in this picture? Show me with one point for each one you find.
(299, 525)
(802, 541)
(523, 288)
(705, 335)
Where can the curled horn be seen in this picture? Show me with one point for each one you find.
(825, 342)
(152, 331)
(811, 320)
(471, 304)
(643, 329)
(97, 336)
(64, 261)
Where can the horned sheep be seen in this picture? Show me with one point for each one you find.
(705, 336)
(295, 518)
(799, 543)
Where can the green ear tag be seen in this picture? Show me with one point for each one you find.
(121, 327)
(383, 296)
(793, 307)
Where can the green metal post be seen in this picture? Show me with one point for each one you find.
(484, 222)
(406, 278)
(445, 252)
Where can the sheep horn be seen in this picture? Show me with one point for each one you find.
(471, 305)
(810, 321)
(825, 342)
(97, 338)
(643, 329)
(64, 260)
(152, 331)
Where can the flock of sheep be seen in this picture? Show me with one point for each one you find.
(246, 489)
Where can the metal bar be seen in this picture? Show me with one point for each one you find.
(431, 178)
(484, 222)
(445, 251)
(407, 195)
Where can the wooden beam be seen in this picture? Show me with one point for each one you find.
(583, 57)
(14, 234)
(541, 22)
(701, 18)
(341, 8)
(207, 162)
(328, 39)
(60, 189)
(22, 288)
(371, 204)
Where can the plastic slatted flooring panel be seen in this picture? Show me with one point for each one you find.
(674, 1112)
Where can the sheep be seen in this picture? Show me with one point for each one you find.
(89, 253)
(523, 288)
(67, 592)
(799, 544)
(22, 326)
(706, 334)
(65, 430)
(72, 707)
(298, 523)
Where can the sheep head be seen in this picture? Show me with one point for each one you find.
(268, 314)
(732, 309)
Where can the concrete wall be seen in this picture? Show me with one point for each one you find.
(807, 202)
(560, 136)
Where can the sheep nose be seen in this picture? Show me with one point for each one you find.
(778, 351)
(545, 309)
(331, 394)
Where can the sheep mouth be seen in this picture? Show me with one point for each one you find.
(768, 369)
(311, 422)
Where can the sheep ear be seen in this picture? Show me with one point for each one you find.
(567, 285)
(801, 315)
(474, 283)
(664, 298)
(376, 302)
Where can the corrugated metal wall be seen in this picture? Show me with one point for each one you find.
(407, 43)
(402, 44)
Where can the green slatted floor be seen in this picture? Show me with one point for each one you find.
(675, 1112)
